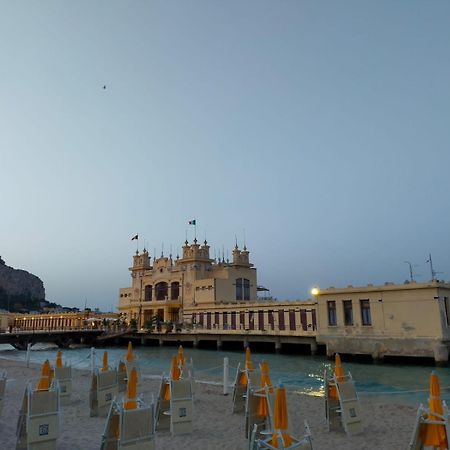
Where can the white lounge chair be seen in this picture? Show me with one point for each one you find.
(181, 406)
(252, 418)
(423, 420)
(240, 390)
(104, 388)
(2, 390)
(162, 417)
(38, 423)
(304, 443)
(345, 411)
(64, 377)
(131, 429)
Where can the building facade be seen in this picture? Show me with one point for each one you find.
(410, 319)
(211, 296)
(170, 289)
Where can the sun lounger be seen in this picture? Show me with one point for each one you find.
(423, 420)
(181, 406)
(252, 418)
(104, 388)
(38, 424)
(162, 416)
(64, 377)
(131, 429)
(304, 443)
(2, 390)
(240, 390)
(345, 410)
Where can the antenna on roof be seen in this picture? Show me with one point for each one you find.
(411, 275)
(433, 272)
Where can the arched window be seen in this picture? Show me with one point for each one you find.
(174, 290)
(148, 293)
(161, 290)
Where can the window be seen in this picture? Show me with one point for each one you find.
(238, 288)
(174, 290)
(331, 313)
(161, 291)
(366, 319)
(242, 289)
(148, 293)
(348, 312)
(281, 325)
(246, 289)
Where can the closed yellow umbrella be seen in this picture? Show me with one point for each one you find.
(130, 355)
(243, 379)
(105, 362)
(59, 363)
(181, 360)
(339, 374)
(175, 374)
(263, 407)
(434, 434)
(131, 399)
(44, 380)
(281, 419)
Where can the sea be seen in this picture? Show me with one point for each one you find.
(398, 383)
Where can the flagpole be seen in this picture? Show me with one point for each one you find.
(195, 229)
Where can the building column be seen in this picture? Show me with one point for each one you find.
(219, 344)
(313, 346)
(440, 352)
(277, 346)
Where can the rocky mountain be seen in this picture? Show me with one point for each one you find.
(19, 289)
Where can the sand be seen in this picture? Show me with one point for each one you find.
(388, 426)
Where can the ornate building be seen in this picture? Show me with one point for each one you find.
(168, 289)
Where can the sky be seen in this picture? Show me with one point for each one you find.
(321, 128)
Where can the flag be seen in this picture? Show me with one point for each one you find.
(135, 237)
(192, 222)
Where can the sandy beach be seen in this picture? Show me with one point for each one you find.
(387, 425)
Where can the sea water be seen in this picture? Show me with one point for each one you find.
(400, 383)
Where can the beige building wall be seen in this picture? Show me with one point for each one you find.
(408, 320)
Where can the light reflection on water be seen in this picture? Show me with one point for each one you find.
(399, 383)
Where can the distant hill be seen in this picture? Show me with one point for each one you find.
(20, 291)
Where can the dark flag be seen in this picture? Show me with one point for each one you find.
(192, 222)
(135, 237)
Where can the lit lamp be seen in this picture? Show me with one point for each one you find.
(315, 292)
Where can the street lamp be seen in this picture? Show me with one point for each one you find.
(315, 291)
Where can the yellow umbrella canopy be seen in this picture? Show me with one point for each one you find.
(181, 360)
(175, 374)
(131, 399)
(339, 373)
(338, 369)
(263, 408)
(281, 419)
(59, 363)
(243, 379)
(105, 362)
(130, 355)
(45, 379)
(434, 434)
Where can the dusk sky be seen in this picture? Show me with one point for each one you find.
(322, 128)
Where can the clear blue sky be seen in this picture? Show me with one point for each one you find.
(321, 127)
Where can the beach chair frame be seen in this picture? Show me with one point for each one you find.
(162, 410)
(305, 443)
(421, 419)
(181, 407)
(64, 377)
(104, 389)
(2, 390)
(346, 411)
(38, 428)
(263, 424)
(116, 435)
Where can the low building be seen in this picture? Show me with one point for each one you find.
(410, 319)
